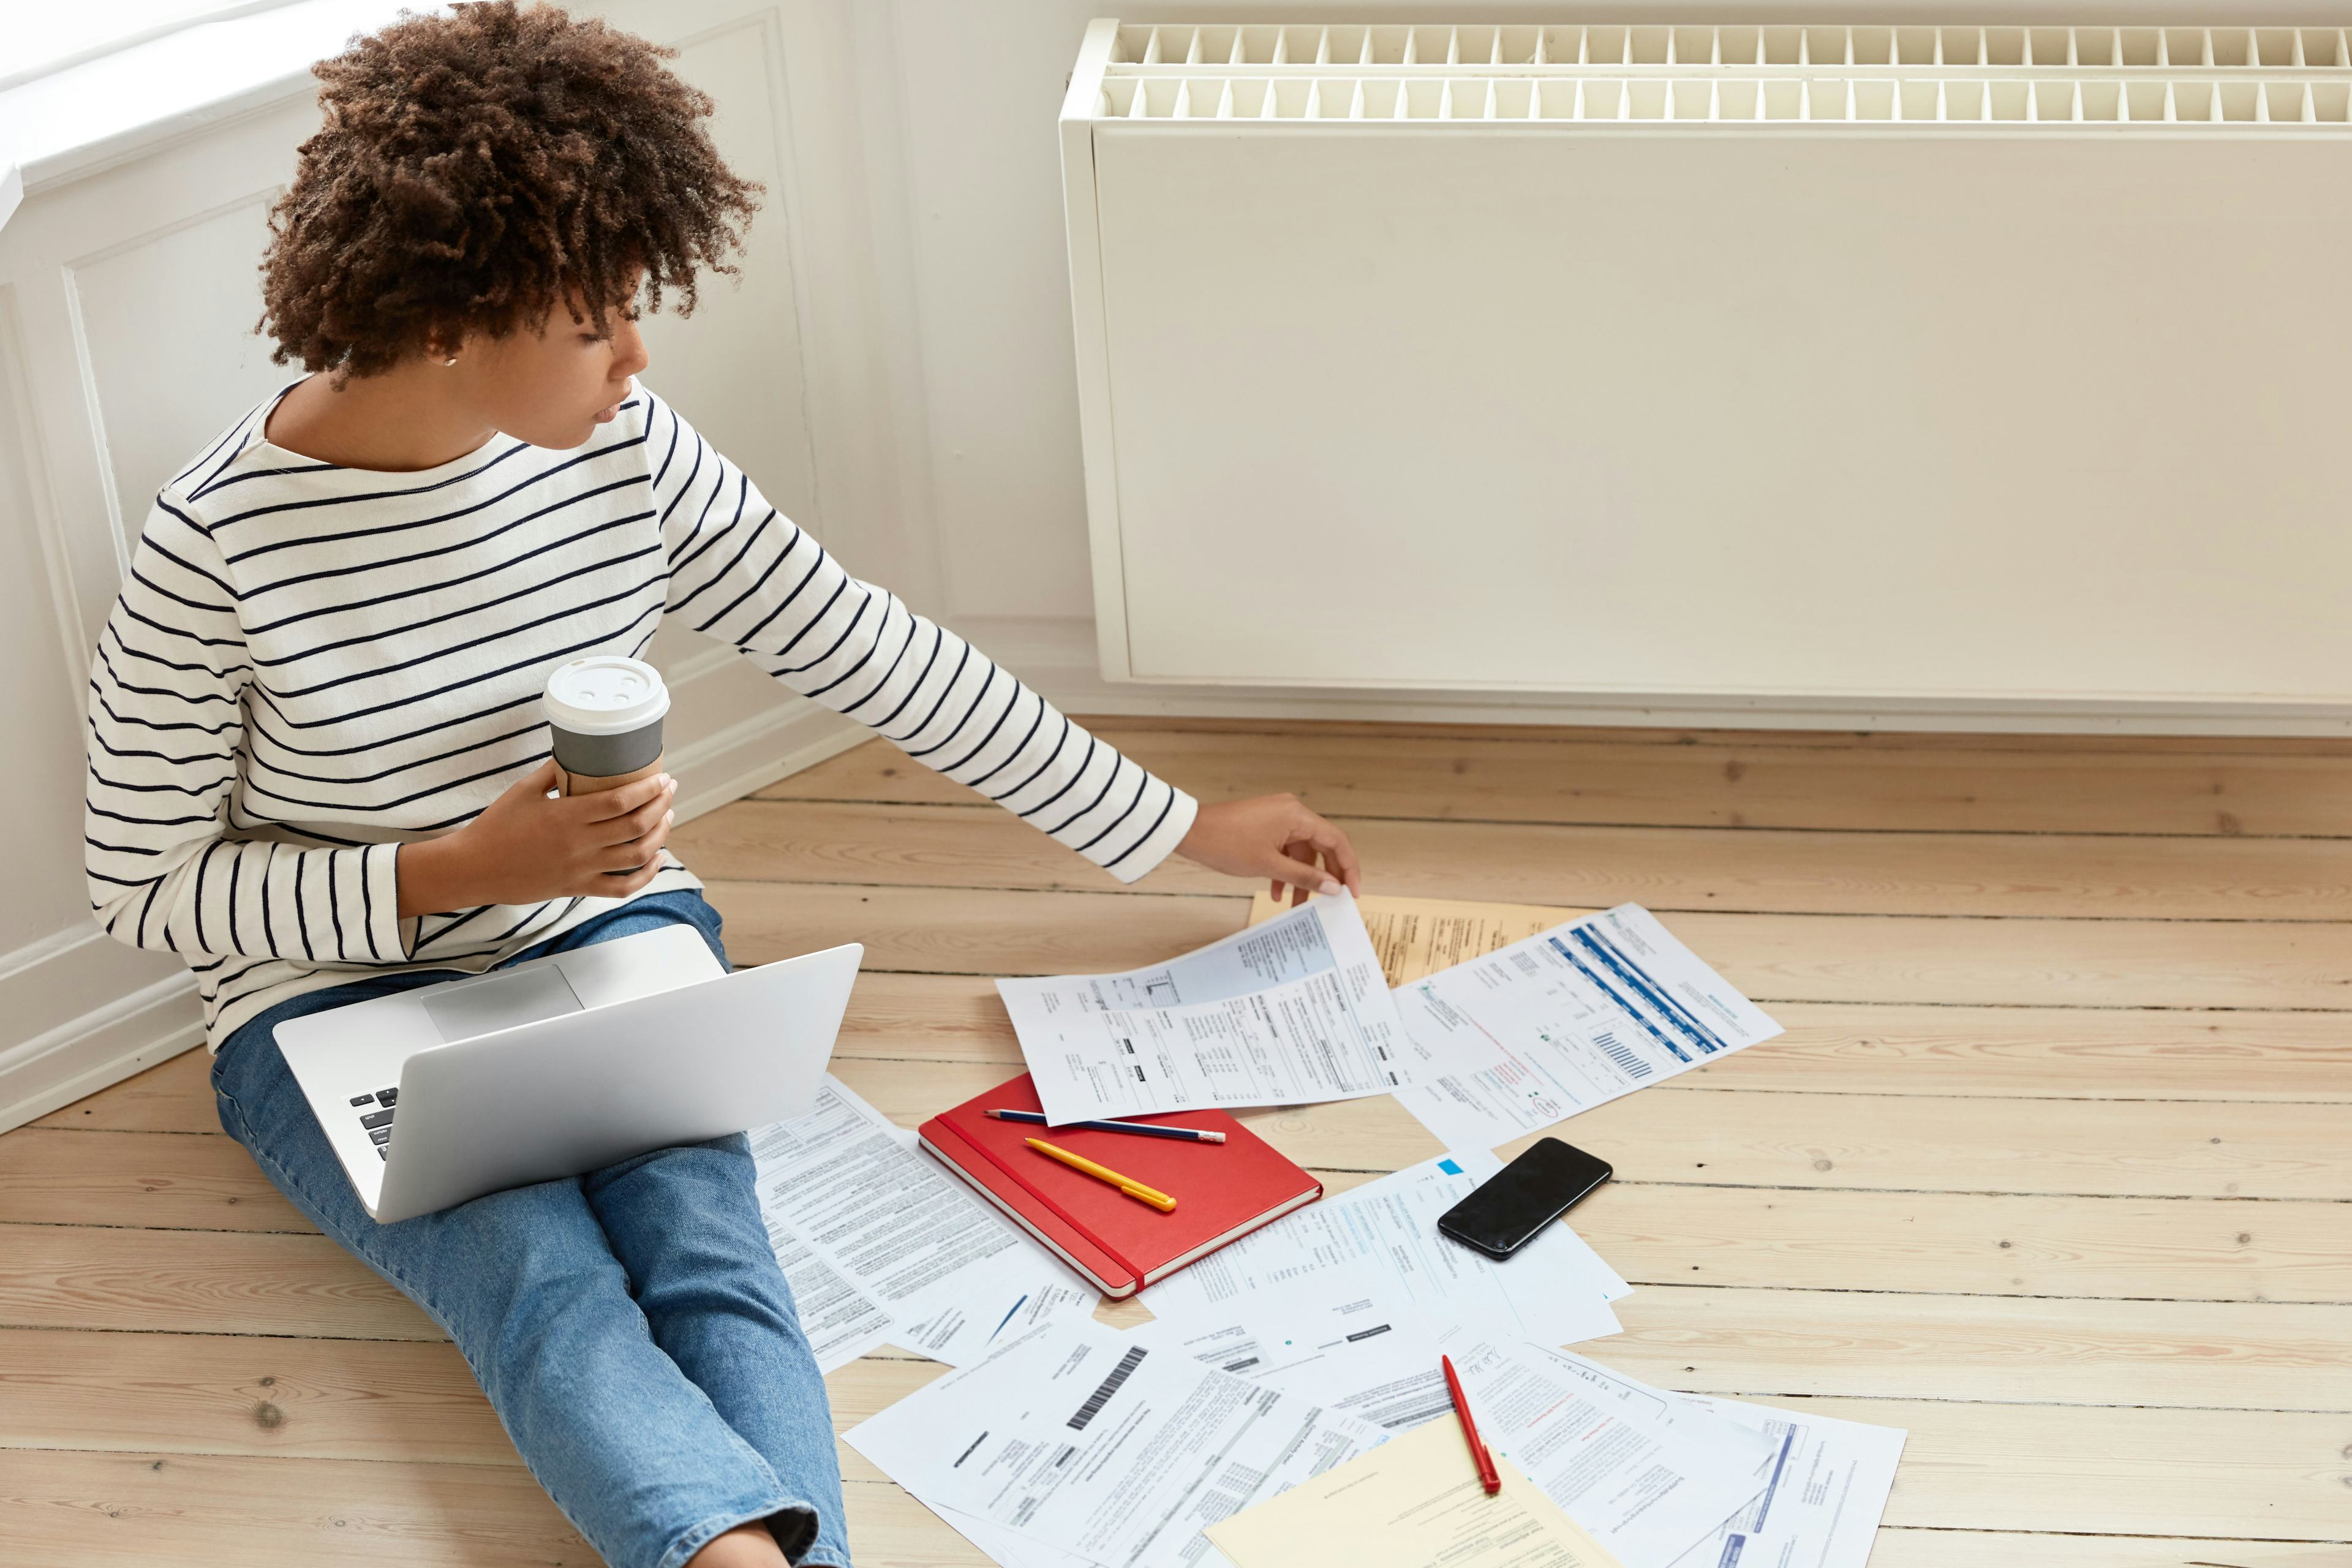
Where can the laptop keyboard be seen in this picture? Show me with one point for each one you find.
(378, 1123)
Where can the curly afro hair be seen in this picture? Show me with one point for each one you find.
(478, 169)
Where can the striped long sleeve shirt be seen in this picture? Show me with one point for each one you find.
(309, 665)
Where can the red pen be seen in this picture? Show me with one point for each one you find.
(1487, 1475)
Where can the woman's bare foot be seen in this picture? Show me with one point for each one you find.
(745, 1546)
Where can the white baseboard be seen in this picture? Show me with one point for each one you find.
(756, 751)
(151, 1014)
(1056, 655)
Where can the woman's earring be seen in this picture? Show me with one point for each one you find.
(451, 359)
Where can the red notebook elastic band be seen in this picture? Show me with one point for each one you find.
(1067, 1217)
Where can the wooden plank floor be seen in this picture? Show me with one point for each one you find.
(2050, 1168)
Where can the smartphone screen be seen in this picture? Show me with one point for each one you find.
(1512, 1207)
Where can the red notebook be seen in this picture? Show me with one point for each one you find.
(1223, 1191)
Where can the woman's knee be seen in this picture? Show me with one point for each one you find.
(513, 1276)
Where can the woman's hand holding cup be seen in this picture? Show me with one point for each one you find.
(600, 839)
(528, 845)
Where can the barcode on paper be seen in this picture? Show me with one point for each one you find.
(1101, 1396)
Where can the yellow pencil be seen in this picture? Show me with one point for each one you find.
(1126, 1184)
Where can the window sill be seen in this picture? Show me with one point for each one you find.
(103, 112)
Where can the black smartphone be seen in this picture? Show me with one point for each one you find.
(1511, 1208)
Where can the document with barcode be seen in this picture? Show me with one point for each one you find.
(1533, 1033)
(1077, 1439)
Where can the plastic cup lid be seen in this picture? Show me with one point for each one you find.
(605, 695)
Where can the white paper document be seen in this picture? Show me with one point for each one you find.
(1291, 1012)
(842, 1321)
(1379, 1366)
(1382, 1238)
(1531, 1035)
(1010, 1548)
(880, 1244)
(1643, 1469)
(1351, 1352)
(1825, 1488)
(1078, 1439)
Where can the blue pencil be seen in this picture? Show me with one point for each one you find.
(1189, 1134)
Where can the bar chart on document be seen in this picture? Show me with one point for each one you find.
(1531, 1035)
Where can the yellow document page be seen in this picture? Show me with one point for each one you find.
(1417, 937)
(1413, 1502)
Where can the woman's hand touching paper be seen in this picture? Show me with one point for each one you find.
(1278, 837)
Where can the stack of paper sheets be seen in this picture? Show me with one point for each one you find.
(1079, 1445)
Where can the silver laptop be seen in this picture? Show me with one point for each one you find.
(563, 1064)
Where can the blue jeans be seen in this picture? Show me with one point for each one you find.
(631, 1326)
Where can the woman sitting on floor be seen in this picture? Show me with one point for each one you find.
(318, 768)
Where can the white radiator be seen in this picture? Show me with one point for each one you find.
(1857, 366)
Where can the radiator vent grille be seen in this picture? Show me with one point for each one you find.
(1441, 47)
(2141, 102)
(1661, 74)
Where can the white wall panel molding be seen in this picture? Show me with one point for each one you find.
(890, 293)
(758, 35)
(135, 327)
(30, 500)
(137, 292)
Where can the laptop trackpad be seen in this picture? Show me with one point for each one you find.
(462, 1011)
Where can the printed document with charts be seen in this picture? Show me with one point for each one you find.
(1291, 1012)
(1531, 1034)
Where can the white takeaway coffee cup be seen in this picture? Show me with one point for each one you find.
(605, 713)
